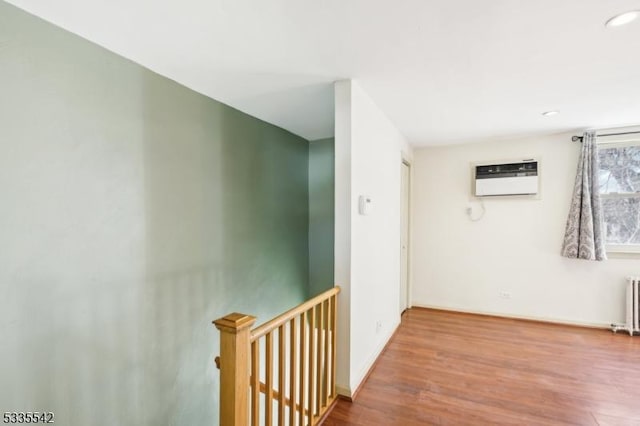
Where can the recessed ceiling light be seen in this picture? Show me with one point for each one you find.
(622, 19)
(549, 113)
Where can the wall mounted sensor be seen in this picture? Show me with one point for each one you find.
(364, 205)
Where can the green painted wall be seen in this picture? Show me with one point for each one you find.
(321, 215)
(134, 212)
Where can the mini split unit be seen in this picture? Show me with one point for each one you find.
(508, 178)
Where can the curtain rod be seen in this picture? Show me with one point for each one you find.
(579, 138)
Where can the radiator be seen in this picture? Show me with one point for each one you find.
(632, 325)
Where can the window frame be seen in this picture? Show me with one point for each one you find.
(619, 141)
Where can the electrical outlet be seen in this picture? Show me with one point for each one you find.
(378, 326)
(504, 294)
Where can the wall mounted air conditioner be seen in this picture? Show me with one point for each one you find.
(506, 178)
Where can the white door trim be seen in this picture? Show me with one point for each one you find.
(406, 163)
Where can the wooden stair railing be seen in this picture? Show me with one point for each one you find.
(304, 342)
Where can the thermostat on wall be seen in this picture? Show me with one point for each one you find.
(364, 205)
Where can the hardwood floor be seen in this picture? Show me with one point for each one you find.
(445, 368)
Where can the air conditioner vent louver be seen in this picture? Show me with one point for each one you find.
(509, 178)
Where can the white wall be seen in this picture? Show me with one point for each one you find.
(342, 230)
(369, 152)
(463, 265)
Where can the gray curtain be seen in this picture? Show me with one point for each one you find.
(584, 235)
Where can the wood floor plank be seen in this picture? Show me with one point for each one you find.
(447, 368)
(608, 420)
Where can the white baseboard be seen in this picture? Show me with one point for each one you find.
(522, 317)
(350, 391)
(366, 368)
(343, 391)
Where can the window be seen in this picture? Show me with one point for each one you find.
(619, 182)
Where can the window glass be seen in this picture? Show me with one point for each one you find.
(622, 220)
(619, 182)
(619, 169)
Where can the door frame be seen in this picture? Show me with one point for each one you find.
(407, 163)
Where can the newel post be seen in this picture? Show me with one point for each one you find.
(234, 368)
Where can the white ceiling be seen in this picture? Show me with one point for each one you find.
(444, 71)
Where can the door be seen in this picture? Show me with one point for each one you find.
(404, 237)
